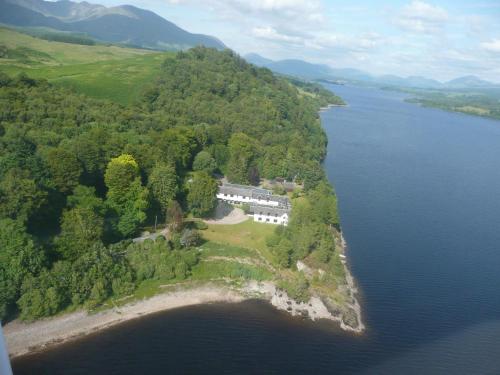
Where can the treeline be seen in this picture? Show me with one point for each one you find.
(67, 38)
(78, 177)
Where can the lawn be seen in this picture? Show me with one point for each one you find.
(249, 234)
(210, 249)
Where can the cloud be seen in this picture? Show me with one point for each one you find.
(271, 34)
(421, 17)
(319, 41)
(310, 10)
(493, 46)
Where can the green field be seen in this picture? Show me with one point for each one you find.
(249, 234)
(103, 72)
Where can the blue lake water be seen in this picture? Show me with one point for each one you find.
(419, 196)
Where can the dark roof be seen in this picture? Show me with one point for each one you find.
(267, 210)
(243, 190)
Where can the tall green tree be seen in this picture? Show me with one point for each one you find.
(163, 185)
(64, 168)
(19, 258)
(81, 228)
(242, 154)
(126, 195)
(202, 192)
(203, 161)
(20, 195)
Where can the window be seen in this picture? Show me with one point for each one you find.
(267, 219)
(231, 195)
(275, 220)
(225, 195)
(260, 219)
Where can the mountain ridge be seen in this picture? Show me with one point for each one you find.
(304, 69)
(124, 24)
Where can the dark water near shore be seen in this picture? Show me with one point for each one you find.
(419, 195)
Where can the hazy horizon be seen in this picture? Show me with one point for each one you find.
(442, 40)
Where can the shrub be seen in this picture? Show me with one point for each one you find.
(190, 238)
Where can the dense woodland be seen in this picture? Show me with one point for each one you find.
(80, 177)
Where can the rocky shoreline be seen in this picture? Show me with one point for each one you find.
(347, 315)
(23, 338)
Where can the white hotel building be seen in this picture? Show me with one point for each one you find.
(265, 207)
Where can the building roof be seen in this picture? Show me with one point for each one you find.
(254, 193)
(268, 210)
(243, 190)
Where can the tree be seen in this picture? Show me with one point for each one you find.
(133, 211)
(175, 217)
(312, 174)
(81, 228)
(202, 192)
(64, 168)
(163, 184)
(20, 195)
(19, 258)
(324, 204)
(178, 145)
(39, 297)
(203, 161)
(85, 197)
(242, 154)
(283, 252)
(126, 195)
(120, 173)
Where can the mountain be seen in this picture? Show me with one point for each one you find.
(304, 69)
(470, 82)
(124, 24)
(256, 59)
(299, 68)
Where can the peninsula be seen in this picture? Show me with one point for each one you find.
(113, 207)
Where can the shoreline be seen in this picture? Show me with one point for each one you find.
(26, 338)
(352, 289)
(323, 109)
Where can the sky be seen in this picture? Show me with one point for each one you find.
(440, 39)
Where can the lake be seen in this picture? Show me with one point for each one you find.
(419, 197)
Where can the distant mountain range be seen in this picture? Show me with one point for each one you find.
(304, 69)
(124, 24)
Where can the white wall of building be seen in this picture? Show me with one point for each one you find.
(239, 199)
(280, 220)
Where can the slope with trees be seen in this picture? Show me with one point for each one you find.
(80, 177)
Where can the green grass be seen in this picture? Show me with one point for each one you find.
(44, 52)
(227, 269)
(102, 72)
(215, 249)
(248, 234)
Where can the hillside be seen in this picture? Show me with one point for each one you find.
(81, 177)
(104, 72)
(122, 24)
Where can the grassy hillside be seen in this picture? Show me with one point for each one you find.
(44, 52)
(103, 72)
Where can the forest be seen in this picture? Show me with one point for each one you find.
(81, 177)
